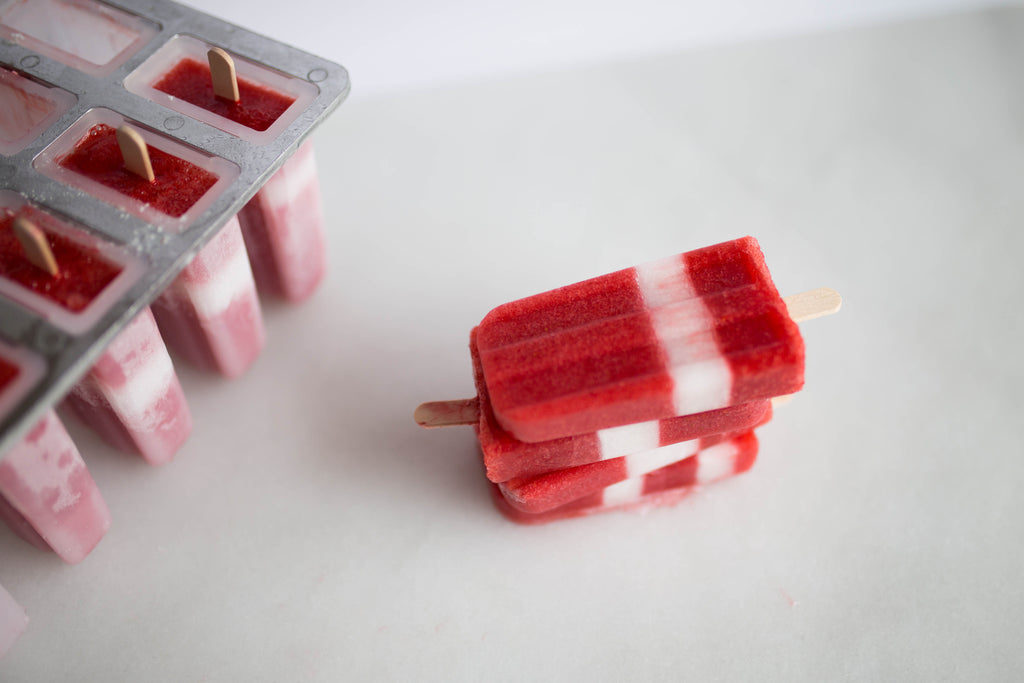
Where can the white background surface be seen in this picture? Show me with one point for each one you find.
(309, 531)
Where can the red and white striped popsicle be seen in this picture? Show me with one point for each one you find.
(49, 496)
(506, 458)
(132, 397)
(665, 486)
(553, 489)
(696, 332)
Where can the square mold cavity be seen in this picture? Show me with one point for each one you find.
(86, 35)
(94, 274)
(187, 182)
(177, 76)
(27, 108)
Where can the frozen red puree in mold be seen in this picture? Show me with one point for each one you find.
(132, 397)
(83, 272)
(13, 621)
(210, 314)
(701, 331)
(507, 458)
(283, 227)
(44, 480)
(665, 486)
(178, 185)
(258, 107)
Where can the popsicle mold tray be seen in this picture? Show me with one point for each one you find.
(72, 69)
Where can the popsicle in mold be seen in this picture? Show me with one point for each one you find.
(210, 314)
(27, 108)
(87, 35)
(507, 458)
(662, 487)
(283, 223)
(132, 397)
(47, 496)
(701, 331)
(13, 621)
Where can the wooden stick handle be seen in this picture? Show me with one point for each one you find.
(135, 152)
(37, 249)
(222, 72)
(448, 413)
(813, 304)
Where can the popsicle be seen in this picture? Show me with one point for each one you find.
(44, 480)
(506, 458)
(13, 621)
(89, 36)
(662, 487)
(283, 223)
(701, 331)
(283, 227)
(27, 108)
(132, 397)
(210, 314)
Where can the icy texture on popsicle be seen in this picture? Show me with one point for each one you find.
(131, 396)
(283, 227)
(696, 332)
(665, 486)
(178, 185)
(13, 621)
(44, 480)
(258, 107)
(506, 458)
(210, 314)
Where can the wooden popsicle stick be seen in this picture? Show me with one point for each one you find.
(447, 413)
(134, 152)
(813, 304)
(37, 249)
(222, 72)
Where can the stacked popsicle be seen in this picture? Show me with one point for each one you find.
(632, 388)
(56, 266)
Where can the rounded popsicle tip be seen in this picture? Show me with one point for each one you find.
(813, 304)
(447, 413)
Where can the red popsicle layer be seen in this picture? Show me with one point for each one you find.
(701, 331)
(84, 273)
(178, 184)
(666, 486)
(507, 458)
(258, 107)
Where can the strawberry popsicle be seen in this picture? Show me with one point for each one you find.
(283, 223)
(131, 396)
(44, 480)
(13, 621)
(210, 314)
(701, 331)
(507, 458)
(87, 35)
(662, 487)
(27, 108)
(551, 490)
(283, 227)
